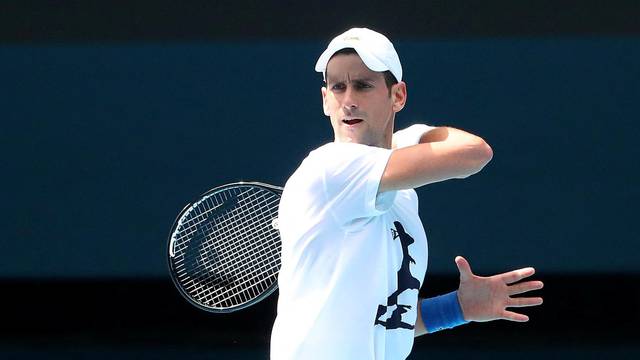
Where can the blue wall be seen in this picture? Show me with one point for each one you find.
(102, 145)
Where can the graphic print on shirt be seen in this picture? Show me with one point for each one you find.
(406, 281)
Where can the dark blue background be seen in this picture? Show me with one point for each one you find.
(102, 145)
(114, 115)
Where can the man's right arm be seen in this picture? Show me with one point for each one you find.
(443, 153)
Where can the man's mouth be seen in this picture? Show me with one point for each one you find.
(351, 121)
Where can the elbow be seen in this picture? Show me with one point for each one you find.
(479, 155)
(485, 153)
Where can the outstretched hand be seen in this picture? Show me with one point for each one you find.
(487, 298)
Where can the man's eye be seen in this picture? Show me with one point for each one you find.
(338, 87)
(363, 85)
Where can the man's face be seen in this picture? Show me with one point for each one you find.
(358, 102)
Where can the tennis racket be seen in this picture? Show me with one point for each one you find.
(224, 248)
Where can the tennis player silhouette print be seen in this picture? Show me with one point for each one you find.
(406, 281)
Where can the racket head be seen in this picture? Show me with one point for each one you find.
(224, 248)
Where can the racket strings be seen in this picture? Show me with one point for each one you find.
(268, 266)
(225, 266)
(249, 258)
(210, 230)
(239, 245)
(236, 244)
(263, 284)
(223, 226)
(249, 279)
(248, 288)
(186, 230)
(238, 230)
(206, 293)
(243, 230)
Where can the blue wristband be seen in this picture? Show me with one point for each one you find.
(442, 312)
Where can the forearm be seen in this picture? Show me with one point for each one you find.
(419, 328)
(472, 148)
(442, 153)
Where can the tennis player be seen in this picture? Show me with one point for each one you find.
(354, 251)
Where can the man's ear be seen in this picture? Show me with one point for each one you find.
(324, 100)
(399, 95)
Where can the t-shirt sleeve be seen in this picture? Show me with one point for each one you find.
(351, 177)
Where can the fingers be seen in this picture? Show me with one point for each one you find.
(524, 302)
(517, 275)
(512, 316)
(464, 268)
(524, 287)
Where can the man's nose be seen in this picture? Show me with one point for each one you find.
(350, 101)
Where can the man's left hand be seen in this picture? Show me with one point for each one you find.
(487, 298)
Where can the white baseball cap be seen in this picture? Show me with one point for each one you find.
(375, 50)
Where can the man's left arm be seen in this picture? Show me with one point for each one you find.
(478, 299)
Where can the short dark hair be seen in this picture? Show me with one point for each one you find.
(389, 79)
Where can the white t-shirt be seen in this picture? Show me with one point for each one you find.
(352, 261)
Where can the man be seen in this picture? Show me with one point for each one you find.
(354, 251)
